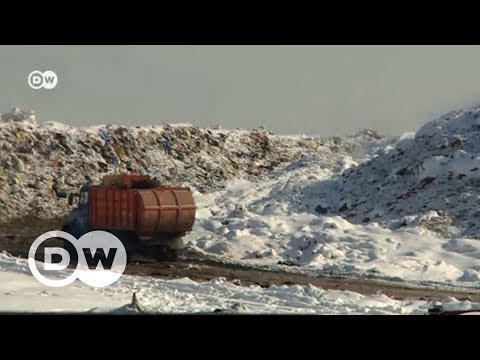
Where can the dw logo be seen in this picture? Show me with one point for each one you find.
(101, 258)
(47, 80)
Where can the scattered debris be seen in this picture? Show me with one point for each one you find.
(37, 156)
(45, 164)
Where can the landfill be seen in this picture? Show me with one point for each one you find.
(42, 165)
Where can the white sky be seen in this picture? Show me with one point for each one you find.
(318, 90)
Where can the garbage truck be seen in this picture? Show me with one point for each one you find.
(137, 209)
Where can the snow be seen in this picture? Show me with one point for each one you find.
(273, 220)
(56, 126)
(21, 292)
(391, 210)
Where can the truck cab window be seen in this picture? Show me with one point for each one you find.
(83, 198)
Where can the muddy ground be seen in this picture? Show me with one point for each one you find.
(17, 236)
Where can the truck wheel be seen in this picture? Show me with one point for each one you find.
(130, 243)
(158, 252)
(163, 253)
(172, 254)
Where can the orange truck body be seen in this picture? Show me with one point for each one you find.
(115, 206)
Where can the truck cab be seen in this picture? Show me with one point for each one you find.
(77, 222)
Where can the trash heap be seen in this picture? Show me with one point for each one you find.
(429, 179)
(41, 165)
(18, 116)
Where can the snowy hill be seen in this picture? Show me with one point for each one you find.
(407, 212)
(269, 221)
(430, 180)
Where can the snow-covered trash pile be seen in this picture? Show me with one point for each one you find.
(402, 210)
(431, 180)
(265, 223)
(18, 116)
(41, 164)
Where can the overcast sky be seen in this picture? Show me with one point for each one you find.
(318, 90)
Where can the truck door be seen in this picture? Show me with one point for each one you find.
(83, 205)
(78, 224)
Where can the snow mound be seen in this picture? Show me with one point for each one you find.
(430, 180)
(327, 212)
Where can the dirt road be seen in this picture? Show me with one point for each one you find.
(201, 270)
(17, 243)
